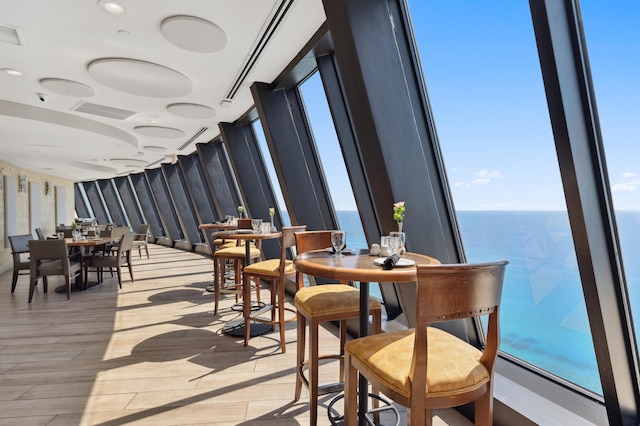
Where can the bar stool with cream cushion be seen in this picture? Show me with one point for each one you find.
(323, 303)
(236, 255)
(424, 368)
(276, 272)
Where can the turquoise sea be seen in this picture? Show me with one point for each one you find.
(543, 317)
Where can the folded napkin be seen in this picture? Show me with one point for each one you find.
(390, 261)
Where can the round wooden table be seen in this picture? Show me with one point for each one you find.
(235, 327)
(360, 267)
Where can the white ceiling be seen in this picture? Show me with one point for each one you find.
(165, 65)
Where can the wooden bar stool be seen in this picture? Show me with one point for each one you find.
(318, 304)
(276, 272)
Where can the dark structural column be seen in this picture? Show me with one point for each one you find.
(219, 178)
(393, 129)
(252, 176)
(149, 207)
(185, 212)
(294, 157)
(130, 202)
(397, 145)
(576, 130)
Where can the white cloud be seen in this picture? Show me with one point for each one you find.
(461, 184)
(628, 175)
(481, 180)
(624, 187)
(485, 176)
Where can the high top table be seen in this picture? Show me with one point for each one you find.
(360, 267)
(86, 242)
(235, 327)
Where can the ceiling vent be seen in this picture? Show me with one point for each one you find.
(10, 35)
(193, 138)
(263, 40)
(103, 111)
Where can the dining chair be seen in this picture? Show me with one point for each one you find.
(118, 257)
(141, 239)
(323, 303)
(275, 271)
(232, 256)
(40, 234)
(425, 368)
(236, 256)
(48, 258)
(20, 252)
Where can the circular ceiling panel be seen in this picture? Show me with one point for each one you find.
(191, 110)
(159, 131)
(140, 77)
(194, 34)
(129, 162)
(152, 148)
(67, 87)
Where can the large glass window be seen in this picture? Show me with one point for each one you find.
(335, 172)
(268, 161)
(613, 40)
(483, 76)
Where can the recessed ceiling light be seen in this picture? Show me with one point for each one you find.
(111, 7)
(12, 72)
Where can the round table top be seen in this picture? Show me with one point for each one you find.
(221, 225)
(358, 266)
(246, 234)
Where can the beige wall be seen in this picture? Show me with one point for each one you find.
(48, 206)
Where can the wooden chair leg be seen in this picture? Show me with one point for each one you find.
(14, 281)
(146, 249)
(301, 325)
(314, 329)
(119, 272)
(67, 280)
(32, 287)
(216, 284)
(350, 395)
(281, 319)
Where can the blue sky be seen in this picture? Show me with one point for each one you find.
(485, 87)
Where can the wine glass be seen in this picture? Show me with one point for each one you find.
(256, 224)
(339, 241)
(396, 242)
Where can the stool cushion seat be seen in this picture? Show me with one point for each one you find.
(270, 267)
(331, 299)
(237, 251)
(454, 365)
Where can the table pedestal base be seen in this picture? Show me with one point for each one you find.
(235, 327)
(75, 287)
(337, 419)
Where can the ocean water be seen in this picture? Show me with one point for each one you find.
(543, 315)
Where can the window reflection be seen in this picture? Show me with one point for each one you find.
(490, 110)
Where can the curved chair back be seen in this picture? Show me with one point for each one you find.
(19, 251)
(450, 292)
(126, 242)
(51, 257)
(309, 241)
(143, 232)
(244, 223)
(40, 234)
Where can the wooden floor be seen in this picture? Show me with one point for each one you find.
(150, 353)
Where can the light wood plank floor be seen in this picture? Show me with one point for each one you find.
(151, 353)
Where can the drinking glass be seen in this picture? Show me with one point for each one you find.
(396, 242)
(256, 224)
(96, 233)
(339, 241)
(61, 235)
